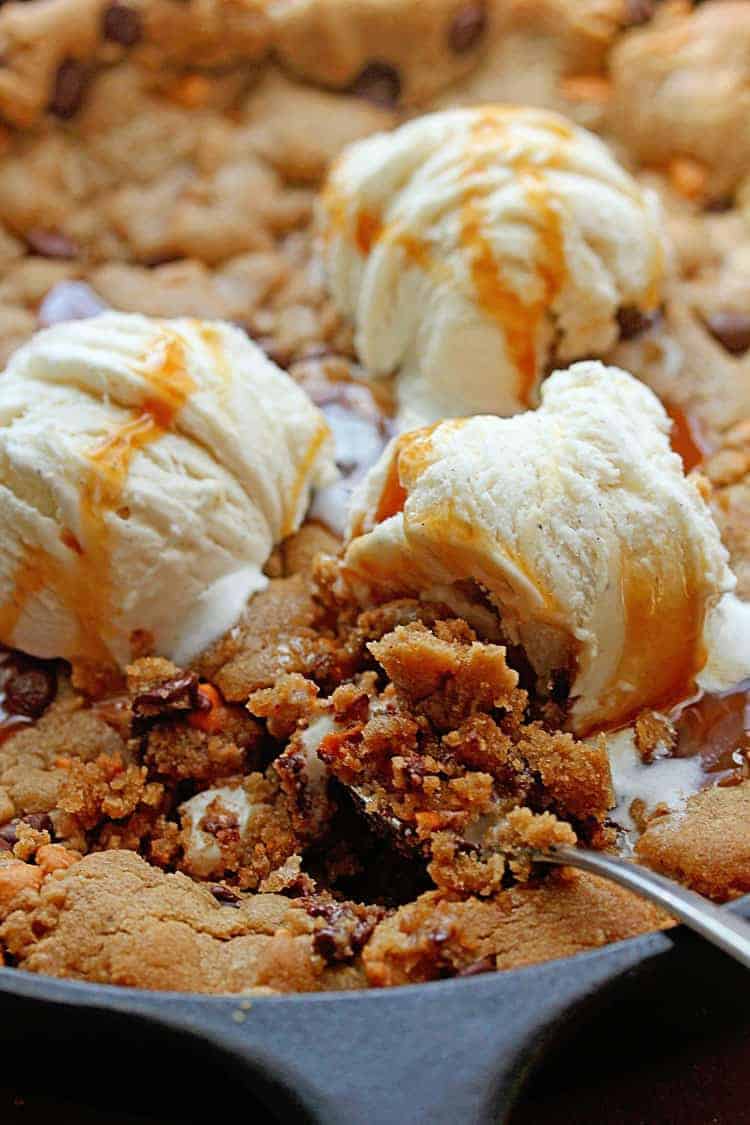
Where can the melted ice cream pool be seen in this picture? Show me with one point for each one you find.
(712, 747)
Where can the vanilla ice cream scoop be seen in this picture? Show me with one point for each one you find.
(576, 523)
(469, 247)
(147, 468)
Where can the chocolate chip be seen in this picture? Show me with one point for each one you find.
(468, 26)
(638, 11)
(122, 24)
(720, 204)
(51, 244)
(178, 694)
(486, 965)
(731, 329)
(560, 685)
(326, 945)
(378, 82)
(347, 929)
(225, 895)
(632, 322)
(30, 688)
(70, 85)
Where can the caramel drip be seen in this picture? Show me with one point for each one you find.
(663, 648)
(686, 438)
(86, 589)
(519, 320)
(393, 497)
(334, 206)
(419, 253)
(657, 266)
(212, 340)
(369, 228)
(303, 472)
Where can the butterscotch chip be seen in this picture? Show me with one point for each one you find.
(688, 177)
(16, 877)
(53, 857)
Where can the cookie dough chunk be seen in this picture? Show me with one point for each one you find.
(706, 846)
(389, 51)
(35, 762)
(114, 919)
(547, 53)
(50, 50)
(681, 90)
(570, 912)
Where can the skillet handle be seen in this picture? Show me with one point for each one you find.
(448, 1054)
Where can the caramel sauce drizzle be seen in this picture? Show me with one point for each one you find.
(86, 589)
(212, 340)
(519, 319)
(686, 438)
(369, 228)
(304, 469)
(27, 582)
(663, 648)
(393, 497)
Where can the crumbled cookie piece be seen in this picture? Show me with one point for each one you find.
(654, 734)
(107, 788)
(300, 130)
(244, 831)
(291, 699)
(51, 50)
(115, 919)
(35, 761)
(448, 668)
(342, 929)
(438, 758)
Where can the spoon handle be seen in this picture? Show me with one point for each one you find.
(728, 932)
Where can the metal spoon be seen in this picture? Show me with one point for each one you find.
(727, 931)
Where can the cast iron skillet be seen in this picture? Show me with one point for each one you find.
(453, 1052)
